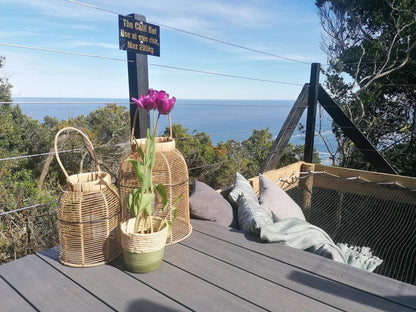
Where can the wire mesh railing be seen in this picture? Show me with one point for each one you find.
(359, 212)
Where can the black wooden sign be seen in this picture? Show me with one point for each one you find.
(139, 37)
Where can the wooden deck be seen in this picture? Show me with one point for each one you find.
(215, 269)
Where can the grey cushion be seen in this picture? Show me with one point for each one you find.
(251, 216)
(275, 201)
(206, 204)
(241, 187)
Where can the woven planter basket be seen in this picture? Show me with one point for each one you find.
(171, 170)
(89, 214)
(142, 243)
(143, 253)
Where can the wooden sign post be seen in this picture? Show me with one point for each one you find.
(139, 39)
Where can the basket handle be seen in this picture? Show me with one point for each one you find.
(87, 142)
(133, 126)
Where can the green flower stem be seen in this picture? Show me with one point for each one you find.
(141, 199)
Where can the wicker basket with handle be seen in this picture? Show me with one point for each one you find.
(89, 214)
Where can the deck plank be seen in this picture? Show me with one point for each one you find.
(192, 291)
(48, 289)
(116, 288)
(325, 270)
(298, 280)
(12, 301)
(215, 269)
(255, 289)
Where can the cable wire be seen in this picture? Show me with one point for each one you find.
(92, 6)
(158, 65)
(234, 45)
(61, 51)
(25, 208)
(126, 103)
(178, 139)
(200, 36)
(226, 75)
(64, 102)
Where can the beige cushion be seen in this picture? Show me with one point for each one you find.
(276, 202)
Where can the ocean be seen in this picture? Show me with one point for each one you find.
(221, 119)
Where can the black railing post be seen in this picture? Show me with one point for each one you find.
(311, 115)
(138, 84)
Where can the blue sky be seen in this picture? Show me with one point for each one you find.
(288, 28)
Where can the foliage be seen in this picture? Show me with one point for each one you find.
(33, 229)
(371, 48)
(217, 165)
(294, 153)
(256, 150)
(109, 129)
(197, 150)
(404, 158)
(24, 231)
(5, 86)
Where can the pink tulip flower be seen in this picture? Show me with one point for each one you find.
(147, 102)
(164, 104)
(156, 100)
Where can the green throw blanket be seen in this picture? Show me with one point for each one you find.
(300, 234)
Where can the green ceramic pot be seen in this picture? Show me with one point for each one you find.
(143, 262)
(143, 252)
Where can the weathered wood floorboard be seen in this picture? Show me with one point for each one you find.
(192, 291)
(215, 269)
(116, 288)
(242, 282)
(299, 281)
(48, 289)
(11, 300)
(326, 272)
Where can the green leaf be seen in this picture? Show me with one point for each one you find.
(131, 202)
(146, 203)
(170, 226)
(139, 169)
(152, 154)
(139, 149)
(177, 199)
(161, 189)
(148, 209)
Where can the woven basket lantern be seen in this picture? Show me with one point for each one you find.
(89, 214)
(170, 170)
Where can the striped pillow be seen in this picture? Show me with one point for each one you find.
(241, 187)
(251, 216)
